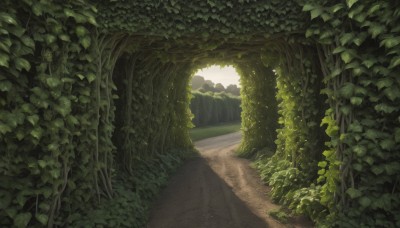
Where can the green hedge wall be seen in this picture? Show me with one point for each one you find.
(213, 108)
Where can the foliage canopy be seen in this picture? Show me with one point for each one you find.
(92, 90)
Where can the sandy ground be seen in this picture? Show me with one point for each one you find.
(216, 190)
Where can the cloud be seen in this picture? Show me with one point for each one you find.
(224, 75)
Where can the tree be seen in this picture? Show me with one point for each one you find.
(197, 82)
(219, 88)
(206, 88)
(233, 89)
(210, 83)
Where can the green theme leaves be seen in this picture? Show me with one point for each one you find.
(94, 104)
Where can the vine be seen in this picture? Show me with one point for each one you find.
(94, 96)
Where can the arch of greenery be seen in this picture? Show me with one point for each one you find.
(94, 104)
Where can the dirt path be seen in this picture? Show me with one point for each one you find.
(215, 190)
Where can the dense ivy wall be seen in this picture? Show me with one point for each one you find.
(213, 108)
(61, 146)
(94, 104)
(47, 112)
(360, 63)
(260, 110)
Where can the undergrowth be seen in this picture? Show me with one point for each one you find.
(289, 188)
(279, 215)
(133, 195)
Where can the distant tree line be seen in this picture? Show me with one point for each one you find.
(212, 108)
(202, 85)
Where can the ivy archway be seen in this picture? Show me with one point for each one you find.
(94, 104)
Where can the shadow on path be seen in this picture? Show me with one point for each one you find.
(197, 197)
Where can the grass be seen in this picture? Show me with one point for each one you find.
(199, 133)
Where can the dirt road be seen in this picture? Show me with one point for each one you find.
(215, 190)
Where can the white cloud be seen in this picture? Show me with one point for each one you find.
(224, 75)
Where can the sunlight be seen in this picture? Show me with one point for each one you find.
(225, 75)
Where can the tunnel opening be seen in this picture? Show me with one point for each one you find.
(215, 96)
(152, 115)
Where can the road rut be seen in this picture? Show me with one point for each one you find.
(216, 190)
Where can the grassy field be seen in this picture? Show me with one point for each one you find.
(199, 133)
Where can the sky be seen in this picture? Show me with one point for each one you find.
(225, 75)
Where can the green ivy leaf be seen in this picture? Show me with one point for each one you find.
(337, 7)
(80, 76)
(316, 12)
(347, 90)
(53, 82)
(37, 9)
(21, 63)
(376, 29)
(5, 46)
(387, 144)
(5, 86)
(22, 220)
(360, 150)
(33, 119)
(356, 101)
(85, 41)
(91, 77)
(372, 134)
(385, 108)
(309, 33)
(364, 201)
(37, 133)
(308, 7)
(361, 37)
(339, 49)
(393, 92)
(385, 82)
(4, 128)
(346, 38)
(42, 218)
(369, 160)
(347, 56)
(64, 37)
(27, 41)
(353, 193)
(390, 42)
(64, 107)
(356, 127)
(375, 7)
(350, 3)
(345, 109)
(369, 62)
(4, 60)
(92, 20)
(7, 18)
(322, 164)
(42, 163)
(55, 173)
(81, 31)
(49, 38)
(394, 63)
(17, 31)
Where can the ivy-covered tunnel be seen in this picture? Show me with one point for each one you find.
(94, 104)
